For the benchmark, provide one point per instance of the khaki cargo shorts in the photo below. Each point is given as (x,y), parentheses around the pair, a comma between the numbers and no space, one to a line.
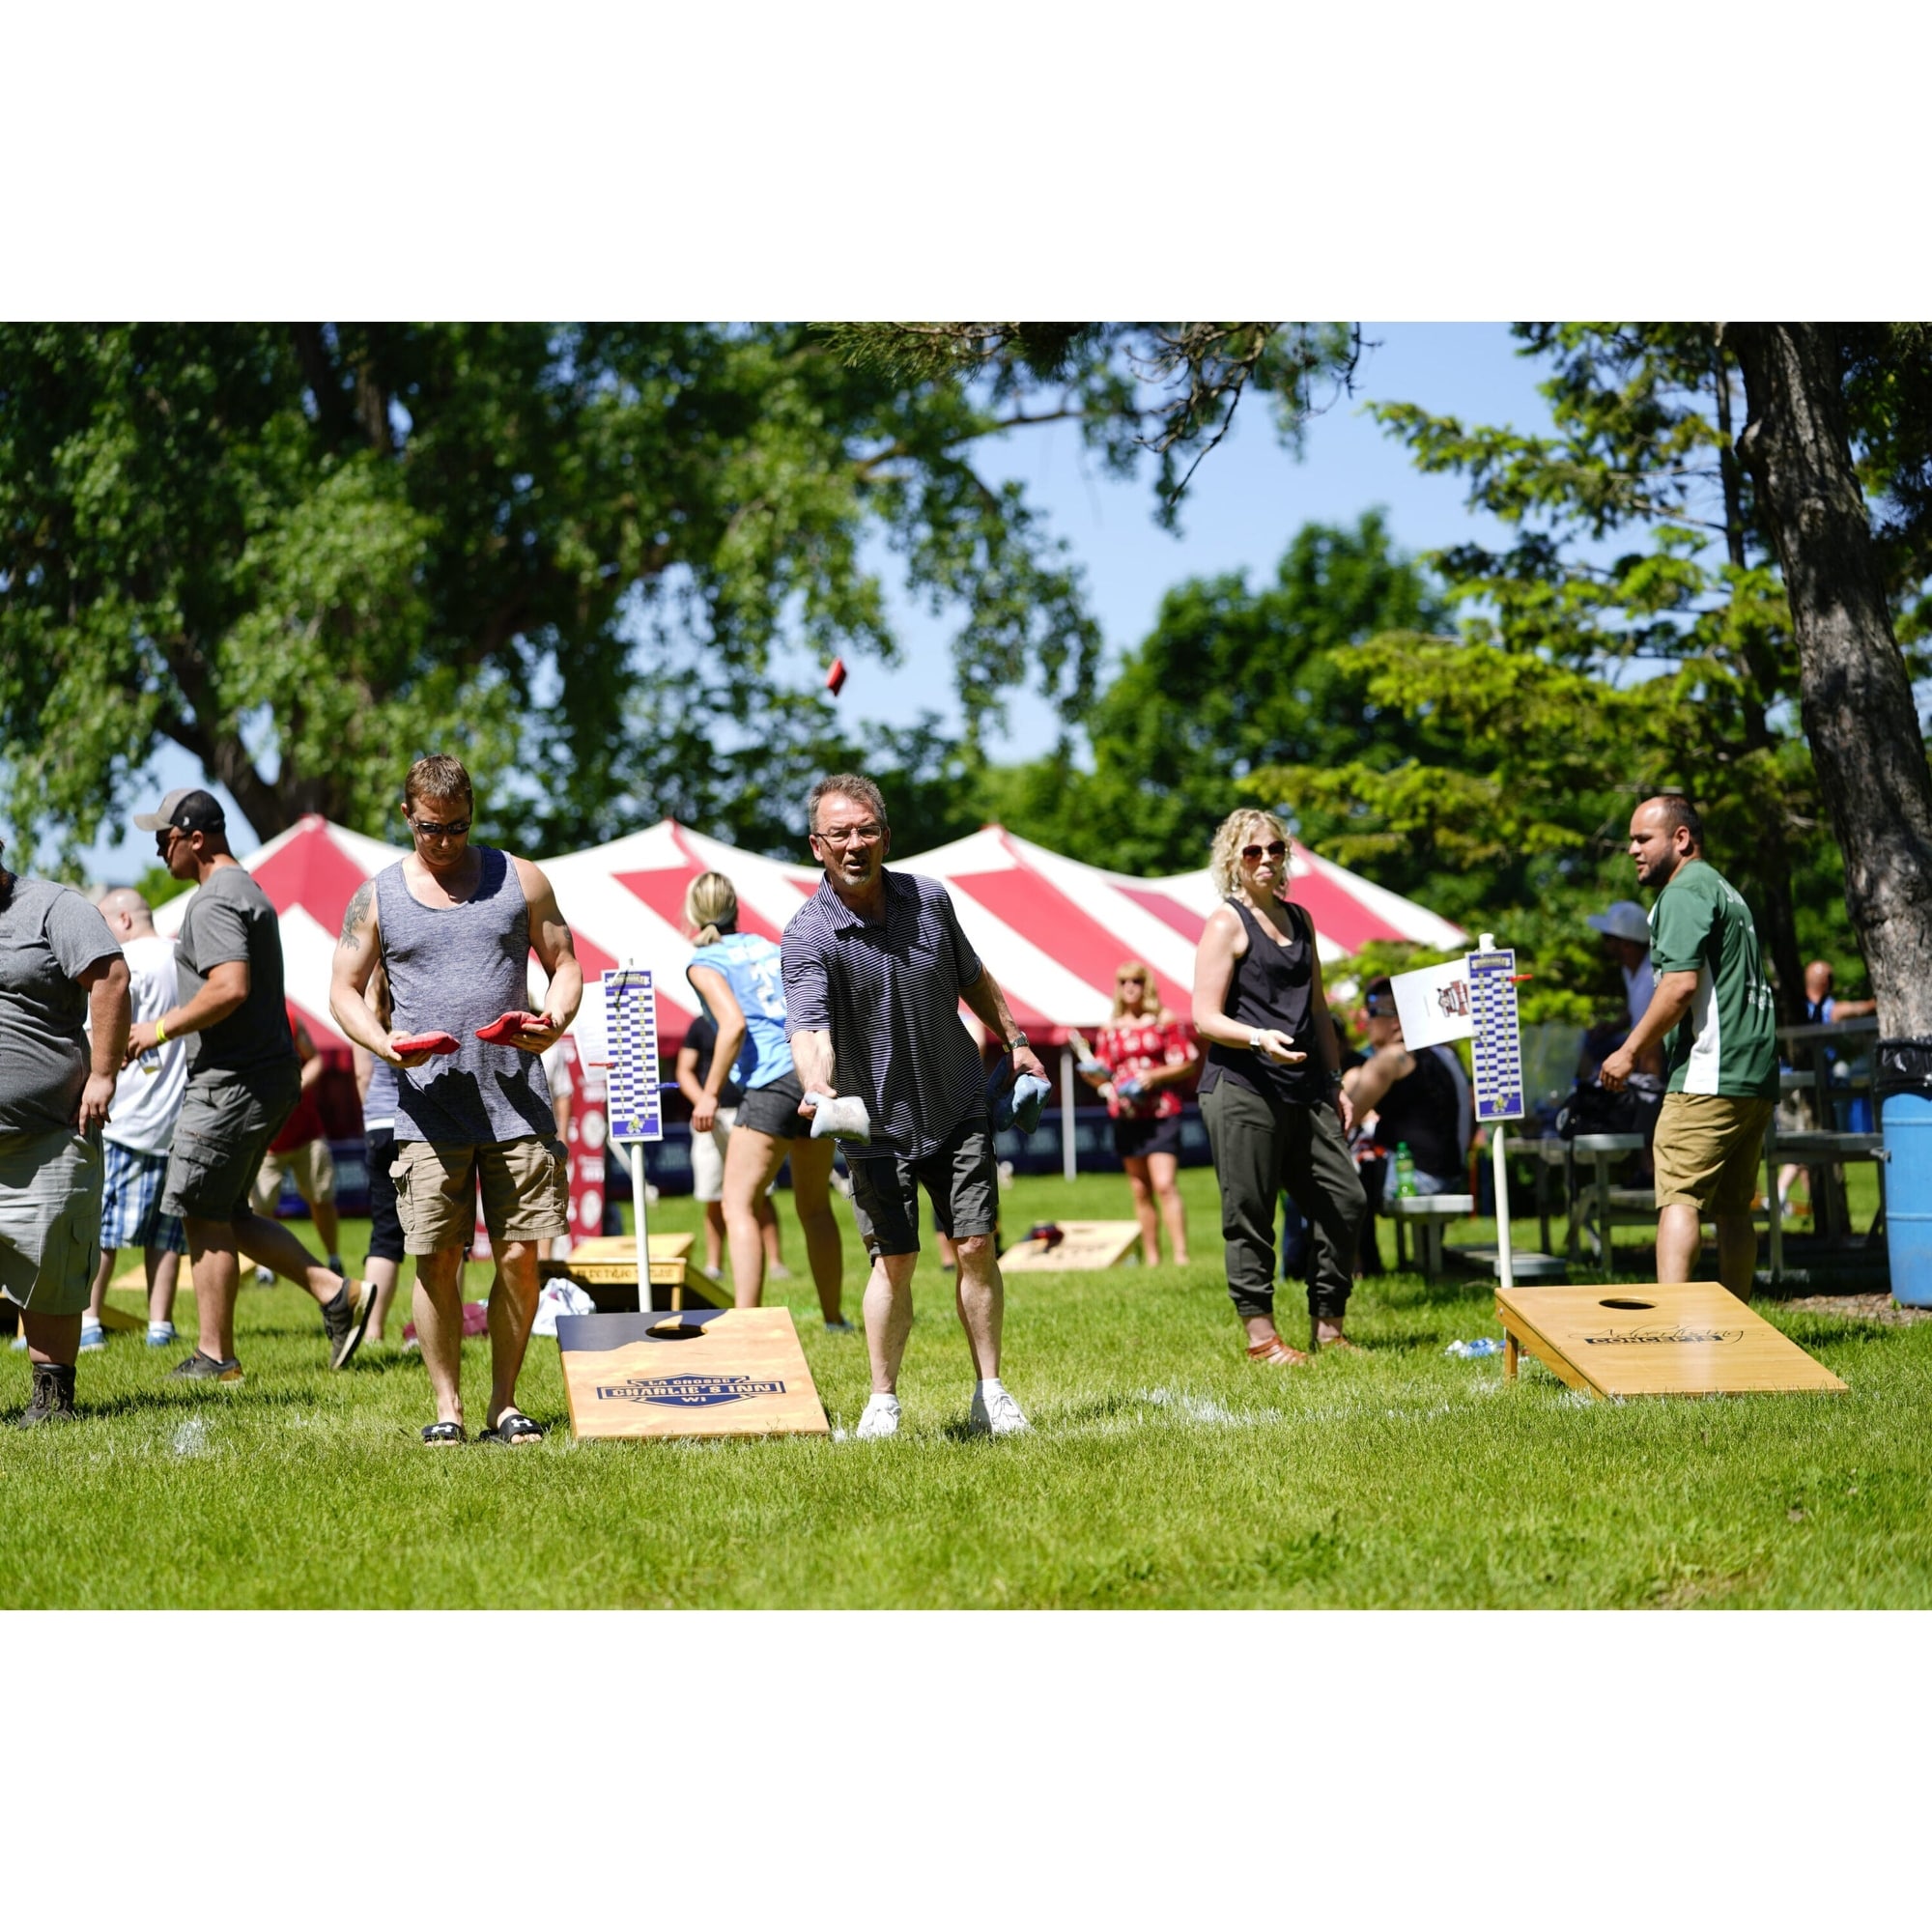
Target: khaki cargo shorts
(311,1166)
(524,1183)
(1708,1150)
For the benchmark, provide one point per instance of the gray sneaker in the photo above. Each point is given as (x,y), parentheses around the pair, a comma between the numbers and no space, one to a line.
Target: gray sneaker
(200,1368)
(346,1318)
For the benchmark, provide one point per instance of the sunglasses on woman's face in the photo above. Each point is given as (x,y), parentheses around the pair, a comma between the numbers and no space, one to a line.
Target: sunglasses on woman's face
(1131,979)
(1273,849)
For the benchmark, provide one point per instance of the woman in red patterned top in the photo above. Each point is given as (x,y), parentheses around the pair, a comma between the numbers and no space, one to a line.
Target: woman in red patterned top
(1139,1058)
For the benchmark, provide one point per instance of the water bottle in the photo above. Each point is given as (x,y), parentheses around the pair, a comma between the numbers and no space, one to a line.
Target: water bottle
(1405,1172)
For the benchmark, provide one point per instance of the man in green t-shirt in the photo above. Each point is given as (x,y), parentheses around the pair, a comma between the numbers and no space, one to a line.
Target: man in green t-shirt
(1713,1009)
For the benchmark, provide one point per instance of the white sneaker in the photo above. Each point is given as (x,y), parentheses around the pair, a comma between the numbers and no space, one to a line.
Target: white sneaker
(881,1418)
(996,1415)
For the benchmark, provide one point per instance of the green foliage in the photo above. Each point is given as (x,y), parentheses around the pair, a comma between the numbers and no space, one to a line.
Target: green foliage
(1166,387)
(1572,686)
(306,552)
(1231,681)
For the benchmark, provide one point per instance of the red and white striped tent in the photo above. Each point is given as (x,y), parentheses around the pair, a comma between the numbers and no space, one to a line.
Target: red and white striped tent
(1052,929)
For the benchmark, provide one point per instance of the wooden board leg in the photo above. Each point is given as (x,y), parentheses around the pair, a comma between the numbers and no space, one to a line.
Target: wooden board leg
(1509,1357)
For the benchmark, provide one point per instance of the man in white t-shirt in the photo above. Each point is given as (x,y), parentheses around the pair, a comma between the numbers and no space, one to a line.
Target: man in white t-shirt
(140,1130)
(1626,930)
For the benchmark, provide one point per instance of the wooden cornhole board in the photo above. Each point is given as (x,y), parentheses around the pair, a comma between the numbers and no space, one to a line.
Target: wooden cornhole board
(722,1371)
(606,1268)
(1085,1244)
(1692,1338)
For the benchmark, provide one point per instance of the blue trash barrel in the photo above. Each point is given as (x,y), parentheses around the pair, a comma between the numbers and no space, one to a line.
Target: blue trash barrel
(1902,1082)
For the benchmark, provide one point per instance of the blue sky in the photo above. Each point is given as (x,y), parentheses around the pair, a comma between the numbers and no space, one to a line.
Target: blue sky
(1246,501)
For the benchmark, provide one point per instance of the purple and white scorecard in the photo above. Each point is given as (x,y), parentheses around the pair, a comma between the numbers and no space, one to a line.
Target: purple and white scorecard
(1496,1037)
(631,1033)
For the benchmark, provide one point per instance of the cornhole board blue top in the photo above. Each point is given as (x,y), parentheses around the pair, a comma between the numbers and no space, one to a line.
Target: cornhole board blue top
(707,1371)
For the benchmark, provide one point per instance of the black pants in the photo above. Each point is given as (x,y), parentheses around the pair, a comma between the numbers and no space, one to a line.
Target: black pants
(1262,1147)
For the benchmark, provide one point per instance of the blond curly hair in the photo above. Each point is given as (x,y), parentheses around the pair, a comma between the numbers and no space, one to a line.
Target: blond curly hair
(1236,831)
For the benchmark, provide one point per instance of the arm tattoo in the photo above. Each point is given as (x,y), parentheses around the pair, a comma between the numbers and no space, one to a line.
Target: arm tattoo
(358,910)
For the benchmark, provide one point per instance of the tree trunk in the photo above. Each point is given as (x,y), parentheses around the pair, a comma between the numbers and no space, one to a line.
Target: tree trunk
(1776,907)
(1857,696)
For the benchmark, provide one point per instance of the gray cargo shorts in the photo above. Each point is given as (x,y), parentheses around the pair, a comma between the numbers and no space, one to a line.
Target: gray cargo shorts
(49,1219)
(227,1121)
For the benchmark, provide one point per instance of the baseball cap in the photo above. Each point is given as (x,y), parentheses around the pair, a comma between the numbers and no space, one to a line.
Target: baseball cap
(189,808)
(1624,920)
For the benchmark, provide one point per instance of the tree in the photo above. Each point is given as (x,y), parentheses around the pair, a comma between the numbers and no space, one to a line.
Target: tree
(304,554)
(1859,711)
(1231,680)
(1579,681)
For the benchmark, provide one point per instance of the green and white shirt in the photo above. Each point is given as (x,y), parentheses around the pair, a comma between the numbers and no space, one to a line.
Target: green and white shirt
(1727,1043)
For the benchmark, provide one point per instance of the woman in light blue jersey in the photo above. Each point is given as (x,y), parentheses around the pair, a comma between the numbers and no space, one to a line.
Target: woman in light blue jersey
(736,976)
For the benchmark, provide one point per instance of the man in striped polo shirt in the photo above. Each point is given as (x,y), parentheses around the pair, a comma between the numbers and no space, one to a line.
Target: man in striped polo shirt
(1714,1004)
(875,966)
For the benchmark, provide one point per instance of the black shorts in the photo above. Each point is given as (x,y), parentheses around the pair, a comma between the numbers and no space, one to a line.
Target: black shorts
(959,1176)
(774,1110)
(1135,1140)
(386,1226)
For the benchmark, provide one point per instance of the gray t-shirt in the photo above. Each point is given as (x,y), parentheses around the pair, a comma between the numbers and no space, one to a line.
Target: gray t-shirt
(231,918)
(48,936)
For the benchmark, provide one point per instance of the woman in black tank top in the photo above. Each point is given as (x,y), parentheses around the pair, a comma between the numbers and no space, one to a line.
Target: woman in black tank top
(1270,1094)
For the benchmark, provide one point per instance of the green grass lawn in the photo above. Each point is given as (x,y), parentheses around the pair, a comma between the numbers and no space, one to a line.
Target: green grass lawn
(1165,1470)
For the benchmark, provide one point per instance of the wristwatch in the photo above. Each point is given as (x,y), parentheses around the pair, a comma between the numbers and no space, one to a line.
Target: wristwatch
(1255,1041)
(1018,1041)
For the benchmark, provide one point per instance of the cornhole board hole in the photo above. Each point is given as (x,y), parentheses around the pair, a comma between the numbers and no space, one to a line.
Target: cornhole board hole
(1083,1244)
(706,1372)
(1691,1338)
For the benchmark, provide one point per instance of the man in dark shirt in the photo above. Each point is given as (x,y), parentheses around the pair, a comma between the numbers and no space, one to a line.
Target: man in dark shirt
(875,967)
(1416,1098)
(243,1081)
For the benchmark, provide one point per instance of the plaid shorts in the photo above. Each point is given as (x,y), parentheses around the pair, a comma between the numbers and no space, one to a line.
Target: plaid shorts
(130,1203)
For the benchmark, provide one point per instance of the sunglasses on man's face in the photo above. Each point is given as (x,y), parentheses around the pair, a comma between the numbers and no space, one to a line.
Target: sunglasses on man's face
(1273,850)
(428,828)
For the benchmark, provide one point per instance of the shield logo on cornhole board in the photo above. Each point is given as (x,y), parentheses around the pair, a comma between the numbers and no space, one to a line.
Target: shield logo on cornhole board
(708,1372)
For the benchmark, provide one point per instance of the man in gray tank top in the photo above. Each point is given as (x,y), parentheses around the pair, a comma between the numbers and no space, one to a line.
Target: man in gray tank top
(453,926)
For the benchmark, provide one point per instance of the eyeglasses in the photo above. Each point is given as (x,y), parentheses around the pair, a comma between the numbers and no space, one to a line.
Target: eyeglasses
(848,834)
(426,828)
(1274,849)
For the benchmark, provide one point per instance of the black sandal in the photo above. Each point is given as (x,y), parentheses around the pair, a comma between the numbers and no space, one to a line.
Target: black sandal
(438,1432)
(512,1429)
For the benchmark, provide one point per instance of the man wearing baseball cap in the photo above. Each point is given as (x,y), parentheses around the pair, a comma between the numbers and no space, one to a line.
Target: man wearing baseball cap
(1626,930)
(243,1082)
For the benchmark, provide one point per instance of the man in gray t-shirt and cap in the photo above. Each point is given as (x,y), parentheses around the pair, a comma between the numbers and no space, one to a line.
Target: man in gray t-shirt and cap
(243,1081)
(60,968)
